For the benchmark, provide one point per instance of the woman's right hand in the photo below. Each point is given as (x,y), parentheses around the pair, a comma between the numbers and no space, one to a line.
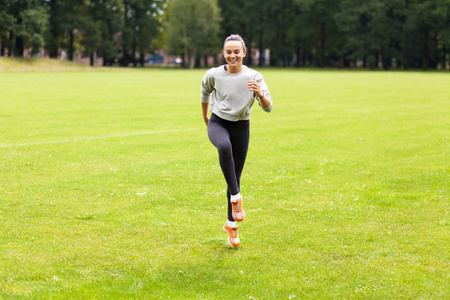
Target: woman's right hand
(206,119)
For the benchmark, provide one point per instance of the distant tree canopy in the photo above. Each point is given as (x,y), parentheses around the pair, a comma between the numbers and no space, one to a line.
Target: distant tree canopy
(407,33)
(343,33)
(110,28)
(193,30)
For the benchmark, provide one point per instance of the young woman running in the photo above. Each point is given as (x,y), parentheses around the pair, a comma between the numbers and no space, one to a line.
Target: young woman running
(232,89)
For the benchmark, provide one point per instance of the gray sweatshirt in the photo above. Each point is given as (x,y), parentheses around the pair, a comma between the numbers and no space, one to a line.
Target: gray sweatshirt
(231,99)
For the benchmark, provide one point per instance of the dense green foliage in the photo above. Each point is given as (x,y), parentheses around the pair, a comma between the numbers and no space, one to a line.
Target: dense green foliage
(387,33)
(110,188)
(193,37)
(109,27)
(407,33)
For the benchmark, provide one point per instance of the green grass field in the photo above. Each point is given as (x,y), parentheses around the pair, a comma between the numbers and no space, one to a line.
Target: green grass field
(110,188)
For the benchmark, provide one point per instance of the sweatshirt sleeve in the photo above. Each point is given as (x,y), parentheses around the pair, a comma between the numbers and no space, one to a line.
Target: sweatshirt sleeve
(265,91)
(207,86)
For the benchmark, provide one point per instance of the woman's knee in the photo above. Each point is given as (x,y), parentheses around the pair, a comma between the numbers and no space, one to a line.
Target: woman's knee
(224,148)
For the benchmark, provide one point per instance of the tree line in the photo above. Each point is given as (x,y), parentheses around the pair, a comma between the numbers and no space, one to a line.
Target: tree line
(321,33)
(106,27)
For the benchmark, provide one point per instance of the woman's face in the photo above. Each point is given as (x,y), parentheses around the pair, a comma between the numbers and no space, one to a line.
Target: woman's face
(234,53)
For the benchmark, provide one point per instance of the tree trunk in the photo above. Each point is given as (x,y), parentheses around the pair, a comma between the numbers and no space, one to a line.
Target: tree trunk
(192,59)
(305,55)
(198,62)
(322,45)
(373,64)
(142,58)
(444,60)
(317,54)
(19,50)
(436,52)
(298,52)
(10,43)
(425,49)
(133,53)
(404,59)
(53,53)
(386,61)
(261,53)
(124,62)
(91,59)
(186,54)
(70,49)
(19,47)
(249,52)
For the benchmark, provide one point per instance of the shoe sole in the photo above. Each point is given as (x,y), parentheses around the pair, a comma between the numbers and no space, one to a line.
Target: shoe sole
(239,220)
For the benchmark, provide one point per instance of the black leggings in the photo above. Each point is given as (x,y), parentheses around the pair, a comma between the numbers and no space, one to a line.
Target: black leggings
(231,140)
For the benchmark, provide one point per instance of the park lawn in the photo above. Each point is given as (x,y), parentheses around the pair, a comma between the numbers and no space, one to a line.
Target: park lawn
(29,64)
(110,188)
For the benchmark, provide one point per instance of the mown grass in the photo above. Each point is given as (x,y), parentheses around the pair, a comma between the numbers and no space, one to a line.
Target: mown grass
(110,188)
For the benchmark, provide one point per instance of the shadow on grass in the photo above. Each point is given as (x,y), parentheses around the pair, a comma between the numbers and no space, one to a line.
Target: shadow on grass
(220,243)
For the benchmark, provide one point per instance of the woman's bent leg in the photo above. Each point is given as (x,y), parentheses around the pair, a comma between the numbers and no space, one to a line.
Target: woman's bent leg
(220,138)
(231,140)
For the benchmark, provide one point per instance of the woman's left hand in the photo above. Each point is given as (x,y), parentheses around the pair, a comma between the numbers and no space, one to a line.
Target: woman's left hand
(253,86)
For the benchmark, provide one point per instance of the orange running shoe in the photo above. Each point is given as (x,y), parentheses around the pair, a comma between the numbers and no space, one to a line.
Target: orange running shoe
(237,212)
(233,237)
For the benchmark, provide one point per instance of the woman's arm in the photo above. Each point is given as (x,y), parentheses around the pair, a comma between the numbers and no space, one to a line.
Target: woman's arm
(205,112)
(264,101)
(207,89)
